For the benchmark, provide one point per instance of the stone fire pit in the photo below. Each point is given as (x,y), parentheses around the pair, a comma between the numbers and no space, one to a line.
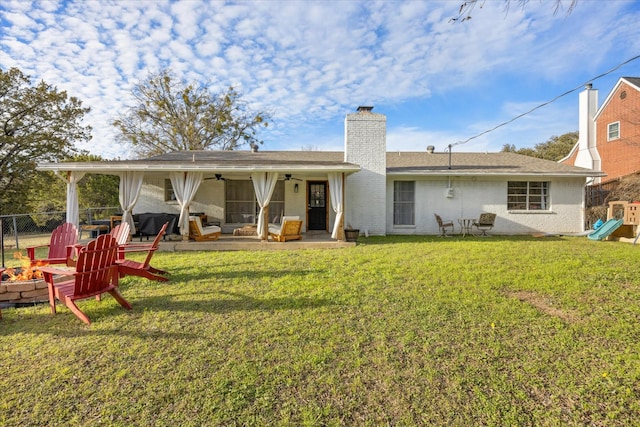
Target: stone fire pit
(24,291)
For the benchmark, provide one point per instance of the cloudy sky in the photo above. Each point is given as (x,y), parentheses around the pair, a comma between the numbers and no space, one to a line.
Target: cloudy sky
(312,62)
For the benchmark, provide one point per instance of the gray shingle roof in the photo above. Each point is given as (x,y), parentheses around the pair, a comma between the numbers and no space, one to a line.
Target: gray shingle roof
(398,163)
(477,163)
(633,80)
(249,158)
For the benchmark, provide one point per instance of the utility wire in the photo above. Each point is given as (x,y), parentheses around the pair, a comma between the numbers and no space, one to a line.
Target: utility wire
(545,103)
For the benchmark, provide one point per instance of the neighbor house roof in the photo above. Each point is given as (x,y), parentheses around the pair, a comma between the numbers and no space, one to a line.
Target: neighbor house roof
(398,163)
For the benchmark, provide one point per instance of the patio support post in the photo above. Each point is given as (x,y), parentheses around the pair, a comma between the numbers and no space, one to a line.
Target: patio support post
(336,185)
(341,235)
(263,184)
(73,214)
(185,185)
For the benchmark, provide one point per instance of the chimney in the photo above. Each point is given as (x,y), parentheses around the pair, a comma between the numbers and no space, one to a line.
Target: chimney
(365,144)
(587,156)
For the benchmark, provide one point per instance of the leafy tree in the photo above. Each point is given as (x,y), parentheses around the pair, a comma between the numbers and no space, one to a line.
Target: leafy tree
(94,190)
(37,123)
(171,115)
(555,148)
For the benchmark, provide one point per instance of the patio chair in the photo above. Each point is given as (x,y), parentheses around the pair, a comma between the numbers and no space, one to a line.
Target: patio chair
(202,234)
(95,273)
(121,233)
(443,225)
(485,223)
(289,229)
(129,267)
(62,237)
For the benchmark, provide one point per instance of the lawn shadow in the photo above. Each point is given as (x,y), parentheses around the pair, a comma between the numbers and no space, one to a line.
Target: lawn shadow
(212,302)
(189,274)
(65,324)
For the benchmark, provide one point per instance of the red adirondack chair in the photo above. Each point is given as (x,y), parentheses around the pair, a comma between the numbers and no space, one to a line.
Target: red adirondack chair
(95,273)
(121,233)
(62,237)
(141,269)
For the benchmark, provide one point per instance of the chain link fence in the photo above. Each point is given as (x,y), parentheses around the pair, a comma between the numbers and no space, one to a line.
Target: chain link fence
(20,231)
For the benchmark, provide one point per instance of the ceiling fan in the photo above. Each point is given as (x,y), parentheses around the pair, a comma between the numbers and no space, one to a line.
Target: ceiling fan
(217,177)
(288,177)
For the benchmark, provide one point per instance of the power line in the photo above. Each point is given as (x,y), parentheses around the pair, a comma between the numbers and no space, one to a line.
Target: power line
(546,103)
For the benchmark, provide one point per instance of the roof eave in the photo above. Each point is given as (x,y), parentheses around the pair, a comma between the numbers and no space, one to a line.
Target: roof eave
(450,172)
(186,167)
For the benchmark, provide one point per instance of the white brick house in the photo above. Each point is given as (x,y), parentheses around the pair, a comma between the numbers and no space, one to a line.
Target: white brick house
(381,192)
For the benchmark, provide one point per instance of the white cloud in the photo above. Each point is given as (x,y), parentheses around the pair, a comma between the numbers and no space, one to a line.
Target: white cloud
(311,62)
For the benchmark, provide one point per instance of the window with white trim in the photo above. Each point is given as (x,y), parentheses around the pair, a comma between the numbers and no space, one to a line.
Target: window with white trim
(528,195)
(613,131)
(404,202)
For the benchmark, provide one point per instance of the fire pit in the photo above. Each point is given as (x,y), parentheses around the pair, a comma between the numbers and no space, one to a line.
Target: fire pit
(22,291)
(23,285)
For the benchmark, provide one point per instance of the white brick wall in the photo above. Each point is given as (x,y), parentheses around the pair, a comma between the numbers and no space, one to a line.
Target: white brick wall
(366,145)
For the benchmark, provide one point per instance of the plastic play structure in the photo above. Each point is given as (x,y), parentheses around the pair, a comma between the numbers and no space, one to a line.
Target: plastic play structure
(623,221)
(605,229)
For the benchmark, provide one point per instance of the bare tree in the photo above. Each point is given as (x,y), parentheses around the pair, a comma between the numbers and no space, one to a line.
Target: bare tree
(171,115)
(465,9)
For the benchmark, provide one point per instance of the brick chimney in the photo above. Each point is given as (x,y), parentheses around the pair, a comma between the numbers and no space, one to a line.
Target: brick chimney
(365,144)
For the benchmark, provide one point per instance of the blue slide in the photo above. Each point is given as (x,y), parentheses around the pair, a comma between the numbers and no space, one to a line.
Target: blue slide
(605,229)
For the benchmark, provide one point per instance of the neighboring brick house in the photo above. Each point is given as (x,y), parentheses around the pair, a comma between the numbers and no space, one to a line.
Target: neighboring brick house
(609,136)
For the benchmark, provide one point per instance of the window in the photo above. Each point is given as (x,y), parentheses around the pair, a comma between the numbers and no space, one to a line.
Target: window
(528,195)
(169,195)
(613,131)
(404,202)
(241,205)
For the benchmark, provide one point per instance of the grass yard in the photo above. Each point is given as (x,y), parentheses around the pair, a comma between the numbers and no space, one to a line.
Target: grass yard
(405,331)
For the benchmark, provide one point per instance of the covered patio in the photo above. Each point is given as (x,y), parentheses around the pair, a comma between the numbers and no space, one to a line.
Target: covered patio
(230,189)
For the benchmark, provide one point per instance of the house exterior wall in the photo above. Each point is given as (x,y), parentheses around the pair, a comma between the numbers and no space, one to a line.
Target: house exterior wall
(366,145)
(621,156)
(208,199)
(475,195)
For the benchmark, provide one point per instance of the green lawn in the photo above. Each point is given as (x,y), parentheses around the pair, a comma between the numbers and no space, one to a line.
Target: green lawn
(397,331)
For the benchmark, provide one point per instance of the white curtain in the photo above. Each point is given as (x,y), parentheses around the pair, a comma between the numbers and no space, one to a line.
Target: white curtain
(263,184)
(130,185)
(73,211)
(336,190)
(185,185)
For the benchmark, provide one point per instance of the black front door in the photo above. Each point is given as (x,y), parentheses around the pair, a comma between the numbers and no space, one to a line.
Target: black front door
(317,205)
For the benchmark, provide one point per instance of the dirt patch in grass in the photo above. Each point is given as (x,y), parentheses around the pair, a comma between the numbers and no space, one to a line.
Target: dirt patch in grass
(545,305)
